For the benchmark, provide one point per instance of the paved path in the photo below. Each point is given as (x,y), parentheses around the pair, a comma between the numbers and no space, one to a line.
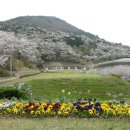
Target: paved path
(9,79)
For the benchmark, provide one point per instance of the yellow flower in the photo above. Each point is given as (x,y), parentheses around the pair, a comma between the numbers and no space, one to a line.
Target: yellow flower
(8,110)
(75,110)
(37,112)
(15,110)
(23,112)
(48,110)
(32,107)
(32,112)
(18,105)
(90,112)
(129,111)
(66,113)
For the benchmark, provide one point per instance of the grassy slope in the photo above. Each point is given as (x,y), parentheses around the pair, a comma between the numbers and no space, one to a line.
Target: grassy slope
(49,85)
(89,86)
(64,124)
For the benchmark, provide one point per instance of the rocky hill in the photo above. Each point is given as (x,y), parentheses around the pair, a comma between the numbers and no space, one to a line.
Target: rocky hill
(38,39)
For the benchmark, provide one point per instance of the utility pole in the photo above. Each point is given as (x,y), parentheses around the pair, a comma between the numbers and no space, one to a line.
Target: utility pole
(11,64)
(11,61)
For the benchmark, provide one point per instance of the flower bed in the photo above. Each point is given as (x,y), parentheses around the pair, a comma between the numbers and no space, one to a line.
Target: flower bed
(81,108)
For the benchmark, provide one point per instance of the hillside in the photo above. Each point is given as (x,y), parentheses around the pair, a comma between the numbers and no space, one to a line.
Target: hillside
(42,22)
(49,23)
(42,39)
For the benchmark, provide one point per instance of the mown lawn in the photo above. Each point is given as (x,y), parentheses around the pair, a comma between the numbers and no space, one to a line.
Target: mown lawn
(80,86)
(63,124)
(48,86)
(52,75)
(103,88)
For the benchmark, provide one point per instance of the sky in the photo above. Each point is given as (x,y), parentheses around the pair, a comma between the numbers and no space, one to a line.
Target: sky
(109,19)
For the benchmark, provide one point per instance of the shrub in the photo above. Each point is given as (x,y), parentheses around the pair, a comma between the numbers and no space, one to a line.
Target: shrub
(13,92)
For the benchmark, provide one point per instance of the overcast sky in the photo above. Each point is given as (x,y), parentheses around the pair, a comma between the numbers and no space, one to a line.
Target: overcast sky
(109,19)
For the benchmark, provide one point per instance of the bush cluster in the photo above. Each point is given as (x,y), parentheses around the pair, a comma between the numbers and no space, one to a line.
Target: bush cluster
(13,92)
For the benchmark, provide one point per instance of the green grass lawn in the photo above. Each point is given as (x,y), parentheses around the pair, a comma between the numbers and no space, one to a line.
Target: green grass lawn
(63,124)
(48,86)
(102,87)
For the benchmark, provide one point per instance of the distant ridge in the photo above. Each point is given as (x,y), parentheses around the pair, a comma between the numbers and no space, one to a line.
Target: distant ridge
(45,22)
